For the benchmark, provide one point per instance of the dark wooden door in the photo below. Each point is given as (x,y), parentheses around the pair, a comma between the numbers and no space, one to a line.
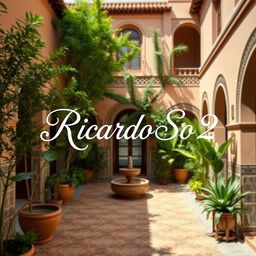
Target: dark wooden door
(124,148)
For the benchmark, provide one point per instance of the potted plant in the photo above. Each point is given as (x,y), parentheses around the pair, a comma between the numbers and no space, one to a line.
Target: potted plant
(195,185)
(222,199)
(34,97)
(93,162)
(23,91)
(69,180)
(21,244)
(53,182)
(163,169)
(202,153)
(181,173)
(169,151)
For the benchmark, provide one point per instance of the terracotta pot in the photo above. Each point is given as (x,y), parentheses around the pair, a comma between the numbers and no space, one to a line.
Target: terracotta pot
(10,250)
(227,222)
(181,175)
(58,202)
(164,181)
(31,252)
(43,220)
(89,175)
(199,197)
(65,193)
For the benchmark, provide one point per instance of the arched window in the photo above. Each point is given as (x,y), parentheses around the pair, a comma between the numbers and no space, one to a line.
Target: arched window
(135,63)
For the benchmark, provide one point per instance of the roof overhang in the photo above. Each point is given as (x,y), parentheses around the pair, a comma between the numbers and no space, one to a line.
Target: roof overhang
(136,7)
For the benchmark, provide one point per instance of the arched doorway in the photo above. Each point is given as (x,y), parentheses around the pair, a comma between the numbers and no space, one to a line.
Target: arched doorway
(220,110)
(248,113)
(190,37)
(124,148)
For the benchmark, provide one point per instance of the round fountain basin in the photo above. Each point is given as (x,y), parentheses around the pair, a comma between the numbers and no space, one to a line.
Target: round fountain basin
(129,172)
(137,188)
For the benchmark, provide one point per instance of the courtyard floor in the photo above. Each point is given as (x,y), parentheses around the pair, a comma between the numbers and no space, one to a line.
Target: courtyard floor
(166,222)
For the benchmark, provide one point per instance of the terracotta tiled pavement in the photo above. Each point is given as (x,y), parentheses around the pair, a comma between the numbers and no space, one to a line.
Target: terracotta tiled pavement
(98,223)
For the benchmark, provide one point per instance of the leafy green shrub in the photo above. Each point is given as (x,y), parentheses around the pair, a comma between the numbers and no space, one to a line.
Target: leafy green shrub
(21,243)
(195,185)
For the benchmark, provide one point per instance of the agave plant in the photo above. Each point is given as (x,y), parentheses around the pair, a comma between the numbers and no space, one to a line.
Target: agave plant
(223,197)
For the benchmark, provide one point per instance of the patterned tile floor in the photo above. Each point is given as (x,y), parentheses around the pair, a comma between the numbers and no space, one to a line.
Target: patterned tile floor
(98,223)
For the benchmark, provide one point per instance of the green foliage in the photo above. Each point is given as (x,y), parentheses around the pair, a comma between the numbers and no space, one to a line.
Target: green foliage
(149,96)
(72,97)
(53,182)
(77,173)
(74,176)
(50,155)
(163,169)
(95,159)
(87,33)
(24,77)
(203,153)
(223,197)
(21,243)
(195,185)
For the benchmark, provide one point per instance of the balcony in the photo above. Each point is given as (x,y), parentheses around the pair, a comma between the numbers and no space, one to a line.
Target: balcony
(187,76)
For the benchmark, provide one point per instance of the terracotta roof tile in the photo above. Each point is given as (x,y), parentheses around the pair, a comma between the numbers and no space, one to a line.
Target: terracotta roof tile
(134,7)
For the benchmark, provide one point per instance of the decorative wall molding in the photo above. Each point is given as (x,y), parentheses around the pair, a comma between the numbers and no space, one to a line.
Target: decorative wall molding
(221,82)
(188,77)
(249,48)
(205,99)
(187,107)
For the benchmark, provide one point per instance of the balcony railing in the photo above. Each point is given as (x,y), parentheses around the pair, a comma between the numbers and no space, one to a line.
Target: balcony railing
(187,76)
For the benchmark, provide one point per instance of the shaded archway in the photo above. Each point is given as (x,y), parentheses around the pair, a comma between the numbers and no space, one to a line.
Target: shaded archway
(190,37)
(248,112)
(220,110)
(205,108)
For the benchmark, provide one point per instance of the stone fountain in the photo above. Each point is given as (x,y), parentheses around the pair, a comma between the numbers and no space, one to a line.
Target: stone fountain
(130,187)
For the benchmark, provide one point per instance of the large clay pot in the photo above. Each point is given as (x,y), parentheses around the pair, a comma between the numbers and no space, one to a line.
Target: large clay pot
(65,193)
(227,222)
(89,176)
(181,175)
(43,220)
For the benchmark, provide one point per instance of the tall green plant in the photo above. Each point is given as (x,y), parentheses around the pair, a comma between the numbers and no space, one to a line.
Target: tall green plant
(149,96)
(204,153)
(88,34)
(71,97)
(24,74)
